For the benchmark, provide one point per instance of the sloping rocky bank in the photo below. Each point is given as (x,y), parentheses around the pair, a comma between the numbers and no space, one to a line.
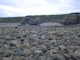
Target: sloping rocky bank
(40,43)
(67,19)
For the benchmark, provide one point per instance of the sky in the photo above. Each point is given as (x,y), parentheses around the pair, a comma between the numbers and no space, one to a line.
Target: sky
(13,8)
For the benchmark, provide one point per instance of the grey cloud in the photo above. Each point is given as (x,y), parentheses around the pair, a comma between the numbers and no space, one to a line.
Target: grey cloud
(31,7)
(8,2)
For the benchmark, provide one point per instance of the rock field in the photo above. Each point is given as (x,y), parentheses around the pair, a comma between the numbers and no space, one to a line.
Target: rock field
(40,43)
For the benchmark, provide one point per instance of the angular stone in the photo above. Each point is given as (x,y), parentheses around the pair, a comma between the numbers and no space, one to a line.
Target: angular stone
(67,56)
(7,58)
(8,53)
(27,52)
(53,51)
(1,51)
(19,53)
(38,52)
(73,56)
(52,37)
(62,47)
(52,41)
(51,57)
(60,57)
(14,43)
(16,58)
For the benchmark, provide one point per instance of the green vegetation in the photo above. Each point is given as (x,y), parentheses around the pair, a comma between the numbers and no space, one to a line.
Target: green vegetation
(11,20)
(55,16)
(18,19)
(49,16)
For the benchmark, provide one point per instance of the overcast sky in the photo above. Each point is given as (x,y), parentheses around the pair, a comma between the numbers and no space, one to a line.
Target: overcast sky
(11,8)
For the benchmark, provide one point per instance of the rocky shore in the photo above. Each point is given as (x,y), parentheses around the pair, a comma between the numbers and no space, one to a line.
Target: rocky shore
(40,43)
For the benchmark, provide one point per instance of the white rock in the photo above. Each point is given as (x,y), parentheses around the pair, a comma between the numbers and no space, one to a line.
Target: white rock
(38,52)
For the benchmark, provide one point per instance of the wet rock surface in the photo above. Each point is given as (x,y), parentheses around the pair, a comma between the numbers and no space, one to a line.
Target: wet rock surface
(40,43)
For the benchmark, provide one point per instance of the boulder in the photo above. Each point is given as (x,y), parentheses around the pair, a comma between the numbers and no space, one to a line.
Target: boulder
(31,21)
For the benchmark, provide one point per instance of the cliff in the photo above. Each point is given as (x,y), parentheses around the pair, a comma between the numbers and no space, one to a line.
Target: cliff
(66,19)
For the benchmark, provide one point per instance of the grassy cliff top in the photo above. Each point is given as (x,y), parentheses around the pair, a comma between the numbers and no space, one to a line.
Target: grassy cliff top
(18,19)
(10,20)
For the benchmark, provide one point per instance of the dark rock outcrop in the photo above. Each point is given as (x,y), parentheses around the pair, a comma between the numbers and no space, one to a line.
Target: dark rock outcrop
(73,18)
(31,21)
(69,19)
(25,20)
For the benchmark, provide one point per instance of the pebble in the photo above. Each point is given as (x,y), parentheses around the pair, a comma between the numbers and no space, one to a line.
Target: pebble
(39,43)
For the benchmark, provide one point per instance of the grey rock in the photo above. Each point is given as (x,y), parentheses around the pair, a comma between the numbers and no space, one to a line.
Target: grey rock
(67,56)
(1,56)
(16,58)
(19,54)
(14,43)
(1,51)
(62,47)
(51,57)
(8,53)
(42,58)
(53,51)
(27,52)
(7,58)
(25,45)
(60,57)
(38,52)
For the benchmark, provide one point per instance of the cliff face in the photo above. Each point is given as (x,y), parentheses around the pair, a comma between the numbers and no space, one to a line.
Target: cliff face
(69,19)
(32,21)
(73,18)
